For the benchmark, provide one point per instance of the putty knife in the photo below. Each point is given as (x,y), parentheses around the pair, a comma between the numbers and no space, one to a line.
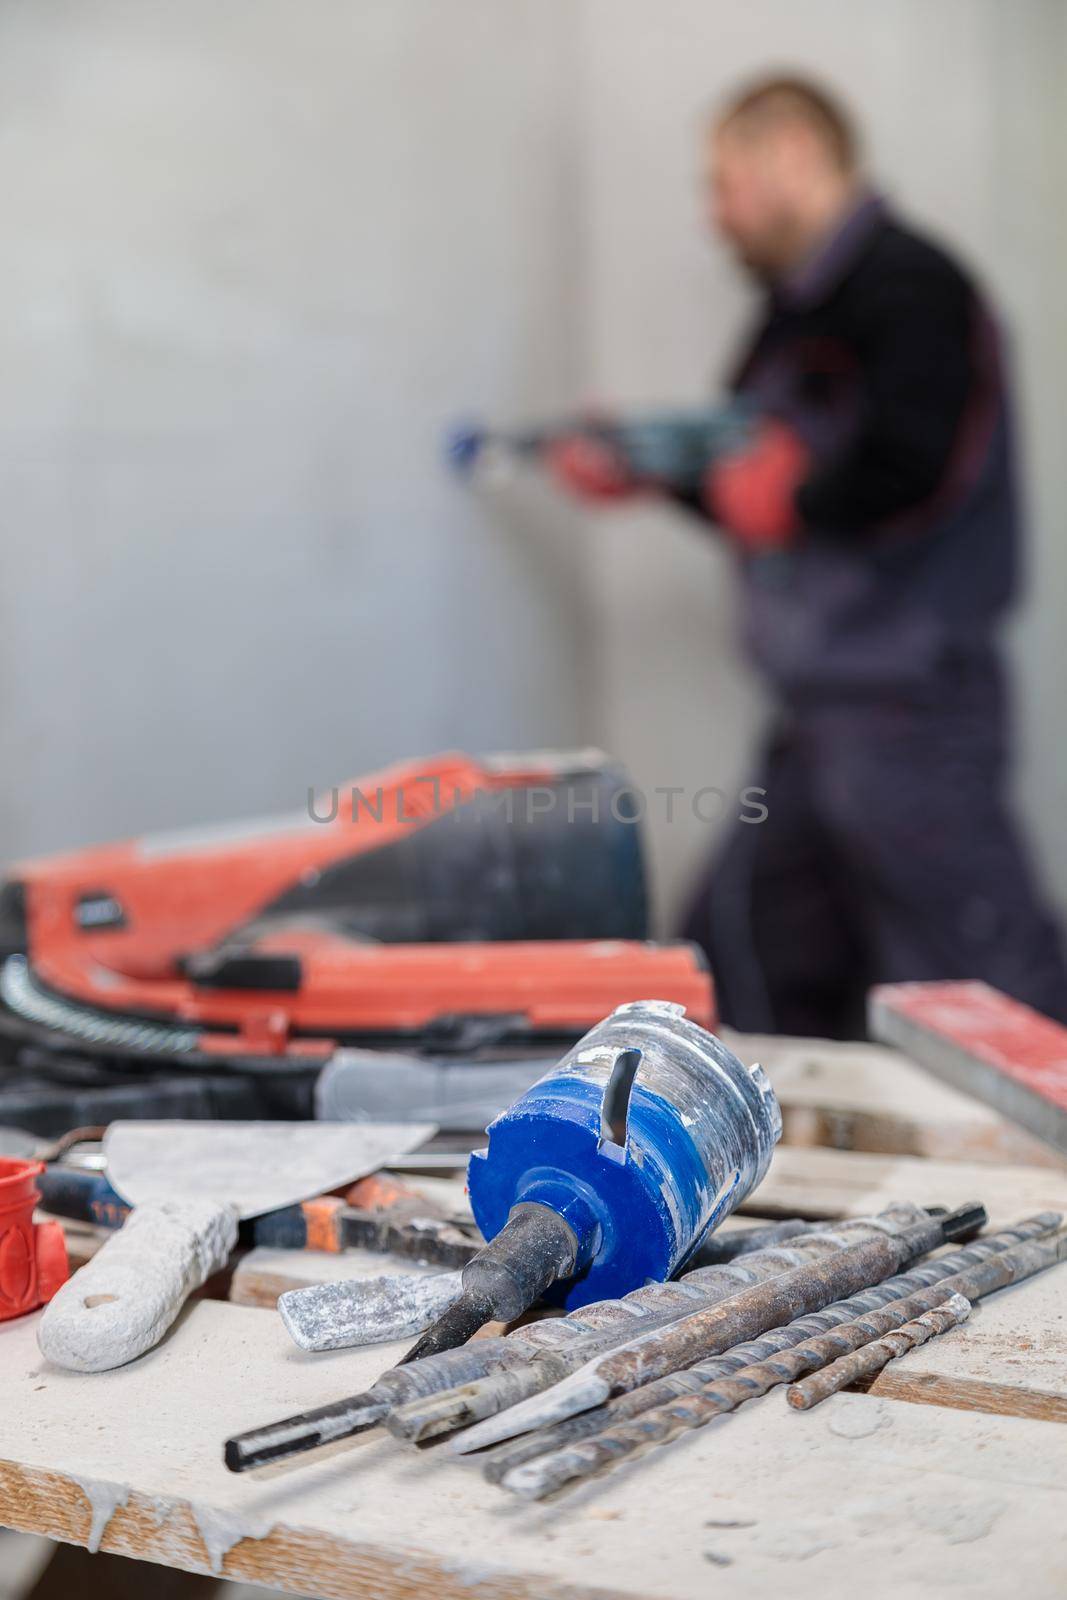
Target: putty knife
(190,1183)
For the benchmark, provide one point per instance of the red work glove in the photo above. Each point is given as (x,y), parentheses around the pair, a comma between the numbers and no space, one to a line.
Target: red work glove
(589,468)
(751,494)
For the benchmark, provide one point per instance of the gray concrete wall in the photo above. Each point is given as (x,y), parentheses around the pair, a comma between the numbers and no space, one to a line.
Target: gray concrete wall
(963,108)
(255,255)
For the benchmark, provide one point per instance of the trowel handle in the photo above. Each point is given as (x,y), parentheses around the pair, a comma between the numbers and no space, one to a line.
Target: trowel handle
(122,1302)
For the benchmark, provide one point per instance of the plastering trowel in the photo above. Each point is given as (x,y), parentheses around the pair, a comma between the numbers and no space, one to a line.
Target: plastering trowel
(190,1183)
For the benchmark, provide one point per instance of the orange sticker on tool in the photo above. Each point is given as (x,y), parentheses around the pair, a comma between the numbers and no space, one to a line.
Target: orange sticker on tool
(322,1222)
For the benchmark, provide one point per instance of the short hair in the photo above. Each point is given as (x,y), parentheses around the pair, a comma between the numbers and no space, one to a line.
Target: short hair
(773,101)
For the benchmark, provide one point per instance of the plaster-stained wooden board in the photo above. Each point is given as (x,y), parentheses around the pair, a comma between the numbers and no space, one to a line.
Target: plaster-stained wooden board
(1010,1358)
(447,1195)
(828,1183)
(861,1494)
(1017,1336)
(867,1097)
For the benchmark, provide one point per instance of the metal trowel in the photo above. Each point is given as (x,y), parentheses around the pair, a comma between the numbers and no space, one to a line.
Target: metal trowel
(189,1184)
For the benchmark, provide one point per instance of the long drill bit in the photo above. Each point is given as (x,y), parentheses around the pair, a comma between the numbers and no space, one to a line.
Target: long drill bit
(661,1423)
(871,1358)
(512,1453)
(715,1328)
(593,1328)
(538,1478)
(430,1415)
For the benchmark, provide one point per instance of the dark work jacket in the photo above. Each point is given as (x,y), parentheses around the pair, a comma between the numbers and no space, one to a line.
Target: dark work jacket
(881,353)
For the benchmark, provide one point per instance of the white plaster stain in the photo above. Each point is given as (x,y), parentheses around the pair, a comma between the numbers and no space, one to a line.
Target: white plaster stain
(104,1500)
(221,1530)
(858,1421)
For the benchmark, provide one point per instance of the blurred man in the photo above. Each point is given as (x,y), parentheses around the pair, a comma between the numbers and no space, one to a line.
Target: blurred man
(875,517)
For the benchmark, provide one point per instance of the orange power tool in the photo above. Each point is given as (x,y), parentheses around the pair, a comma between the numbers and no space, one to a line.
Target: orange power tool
(444,904)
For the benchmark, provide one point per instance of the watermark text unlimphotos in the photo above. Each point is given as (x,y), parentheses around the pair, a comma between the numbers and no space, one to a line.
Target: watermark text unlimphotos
(428,797)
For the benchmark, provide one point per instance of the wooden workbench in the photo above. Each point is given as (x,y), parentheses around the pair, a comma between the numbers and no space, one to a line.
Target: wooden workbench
(950,1474)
